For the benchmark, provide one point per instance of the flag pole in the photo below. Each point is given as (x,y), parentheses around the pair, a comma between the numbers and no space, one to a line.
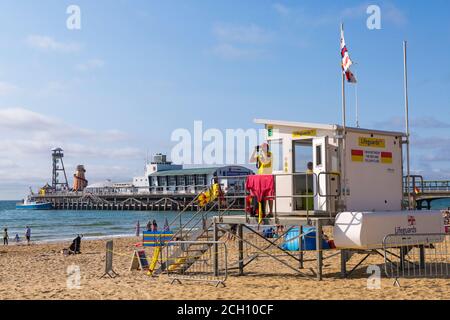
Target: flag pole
(356,103)
(408,173)
(344,154)
(343,89)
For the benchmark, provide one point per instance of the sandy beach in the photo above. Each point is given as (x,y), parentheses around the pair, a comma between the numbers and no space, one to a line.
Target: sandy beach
(39,271)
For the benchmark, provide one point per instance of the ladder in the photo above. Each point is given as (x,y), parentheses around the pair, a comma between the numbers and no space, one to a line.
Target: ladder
(199,231)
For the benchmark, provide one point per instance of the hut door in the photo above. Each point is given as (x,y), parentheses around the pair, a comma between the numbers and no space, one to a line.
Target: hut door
(320,169)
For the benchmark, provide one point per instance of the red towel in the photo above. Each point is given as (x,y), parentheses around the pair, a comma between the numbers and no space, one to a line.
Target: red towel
(260,186)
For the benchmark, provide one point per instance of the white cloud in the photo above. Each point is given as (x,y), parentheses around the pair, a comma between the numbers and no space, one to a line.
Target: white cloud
(7,88)
(398,123)
(229,51)
(47,43)
(240,41)
(394,14)
(90,64)
(247,34)
(299,15)
(28,137)
(281,9)
(20,121)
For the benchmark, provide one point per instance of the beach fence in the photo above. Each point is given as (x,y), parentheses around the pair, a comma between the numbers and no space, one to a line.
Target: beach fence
(204,261)
(293,248)
(417,256)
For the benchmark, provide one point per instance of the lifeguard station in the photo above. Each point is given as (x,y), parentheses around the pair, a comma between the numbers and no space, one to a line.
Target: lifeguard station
(347,179)
(355,170)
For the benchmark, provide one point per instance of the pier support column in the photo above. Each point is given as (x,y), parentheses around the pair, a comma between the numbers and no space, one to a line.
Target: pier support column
(319,248)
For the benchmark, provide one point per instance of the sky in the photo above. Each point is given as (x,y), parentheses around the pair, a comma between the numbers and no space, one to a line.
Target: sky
(113,91)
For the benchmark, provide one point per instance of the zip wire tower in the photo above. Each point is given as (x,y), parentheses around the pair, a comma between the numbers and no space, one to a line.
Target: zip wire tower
(59,177)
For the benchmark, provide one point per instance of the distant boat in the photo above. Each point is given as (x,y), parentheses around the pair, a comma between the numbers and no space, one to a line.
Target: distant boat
(33,205)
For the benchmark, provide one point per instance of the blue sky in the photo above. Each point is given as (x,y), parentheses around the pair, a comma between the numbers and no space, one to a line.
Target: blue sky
(137,70)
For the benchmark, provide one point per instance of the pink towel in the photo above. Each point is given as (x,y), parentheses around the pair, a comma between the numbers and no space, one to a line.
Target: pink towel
(260,186)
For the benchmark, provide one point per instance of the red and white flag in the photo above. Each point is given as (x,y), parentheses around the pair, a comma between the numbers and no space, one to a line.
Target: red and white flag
(346,61)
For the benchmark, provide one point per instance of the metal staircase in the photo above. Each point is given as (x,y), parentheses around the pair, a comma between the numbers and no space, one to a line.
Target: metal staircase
(197,234)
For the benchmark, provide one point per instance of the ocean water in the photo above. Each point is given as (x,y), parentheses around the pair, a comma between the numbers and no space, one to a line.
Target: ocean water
(440,204)
(57,225)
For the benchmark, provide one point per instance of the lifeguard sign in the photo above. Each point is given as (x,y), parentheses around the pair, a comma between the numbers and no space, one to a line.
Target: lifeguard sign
(321,169)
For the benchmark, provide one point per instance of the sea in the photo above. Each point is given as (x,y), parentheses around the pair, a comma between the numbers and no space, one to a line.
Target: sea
(65,225)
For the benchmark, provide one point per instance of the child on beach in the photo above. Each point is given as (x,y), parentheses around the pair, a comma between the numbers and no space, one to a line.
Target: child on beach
(5,237)
(17,238)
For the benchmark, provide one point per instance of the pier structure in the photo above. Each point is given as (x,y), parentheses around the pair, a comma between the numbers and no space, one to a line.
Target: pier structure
(164,187)
(119,201)
(424,192)
(59,177)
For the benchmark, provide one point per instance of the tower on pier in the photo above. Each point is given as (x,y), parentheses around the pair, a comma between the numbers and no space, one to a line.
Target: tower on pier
(59,177)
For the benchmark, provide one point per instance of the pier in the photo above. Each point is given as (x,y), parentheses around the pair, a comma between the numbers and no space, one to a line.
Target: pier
(424,192)
(115,201)
(120,202)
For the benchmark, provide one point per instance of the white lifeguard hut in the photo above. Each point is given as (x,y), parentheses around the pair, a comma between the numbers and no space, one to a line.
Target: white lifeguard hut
(351,176)
(355,170)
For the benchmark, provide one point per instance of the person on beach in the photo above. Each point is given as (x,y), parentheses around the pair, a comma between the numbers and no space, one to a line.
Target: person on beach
(17,238)
(28,234)
(149,226)
(5,237)
(154,226)
(138,229)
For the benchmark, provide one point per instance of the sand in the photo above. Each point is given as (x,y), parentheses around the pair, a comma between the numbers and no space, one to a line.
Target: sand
(39,271)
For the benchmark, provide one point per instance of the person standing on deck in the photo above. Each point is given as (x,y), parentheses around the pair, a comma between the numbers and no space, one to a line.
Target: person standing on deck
(263,159)
(28,234)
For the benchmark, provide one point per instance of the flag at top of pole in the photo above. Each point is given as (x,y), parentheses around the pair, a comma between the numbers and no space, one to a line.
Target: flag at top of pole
(346,61)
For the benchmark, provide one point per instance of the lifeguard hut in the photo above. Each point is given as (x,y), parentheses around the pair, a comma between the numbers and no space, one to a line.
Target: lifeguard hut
(323,169)
(345,181)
